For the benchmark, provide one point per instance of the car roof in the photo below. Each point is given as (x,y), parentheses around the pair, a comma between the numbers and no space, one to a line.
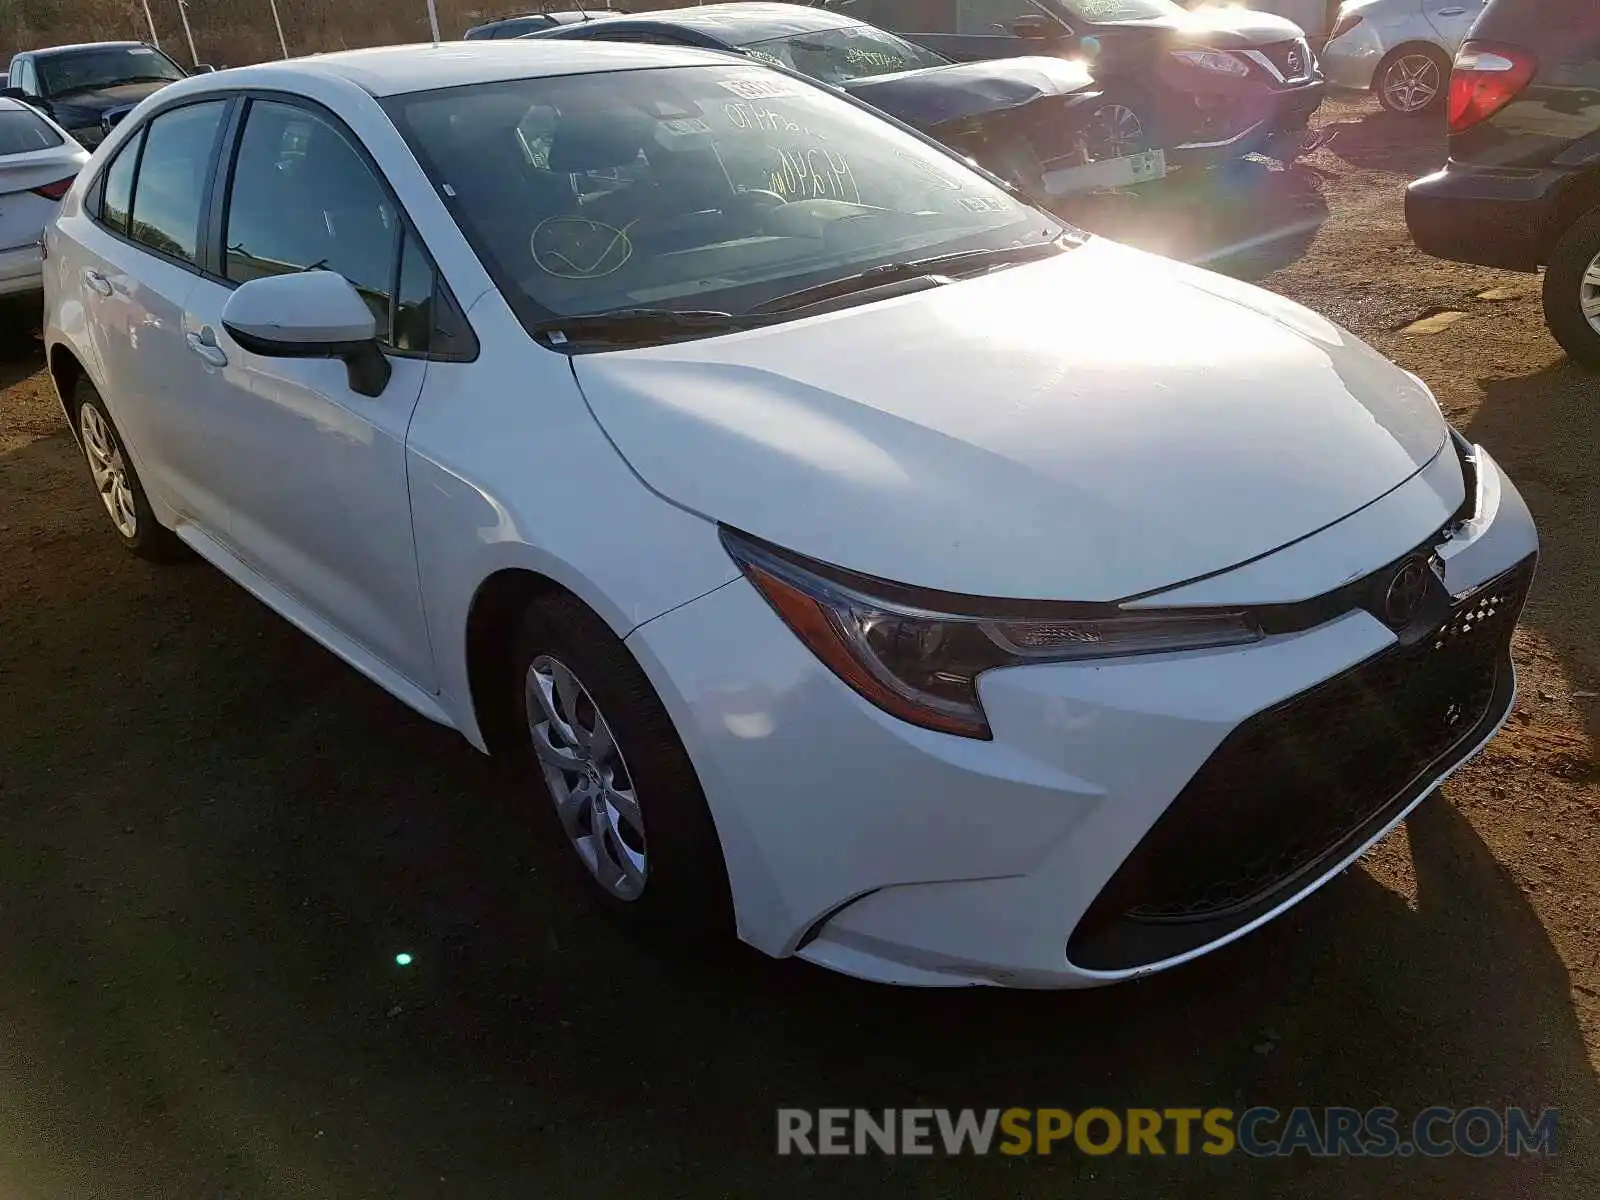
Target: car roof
(76,47)
(738,22)
(393,70)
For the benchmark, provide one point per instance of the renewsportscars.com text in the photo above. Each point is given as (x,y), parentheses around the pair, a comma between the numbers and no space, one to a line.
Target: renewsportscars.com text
(1260,1132)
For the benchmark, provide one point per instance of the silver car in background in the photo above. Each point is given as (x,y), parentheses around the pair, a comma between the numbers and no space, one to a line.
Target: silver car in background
(1400,50)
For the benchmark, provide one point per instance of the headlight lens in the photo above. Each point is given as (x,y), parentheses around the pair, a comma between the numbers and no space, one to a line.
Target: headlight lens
(1212,60)
(921,662)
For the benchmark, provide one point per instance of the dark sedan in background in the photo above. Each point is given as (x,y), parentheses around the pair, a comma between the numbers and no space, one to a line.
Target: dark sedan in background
(88,88)
(1209,85)
(1032,121)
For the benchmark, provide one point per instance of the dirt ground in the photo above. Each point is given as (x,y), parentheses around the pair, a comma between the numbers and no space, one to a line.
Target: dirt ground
(214,838)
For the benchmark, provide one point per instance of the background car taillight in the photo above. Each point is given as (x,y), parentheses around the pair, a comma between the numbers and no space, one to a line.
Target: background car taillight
(1486,77)
(56,190)
(1344,25)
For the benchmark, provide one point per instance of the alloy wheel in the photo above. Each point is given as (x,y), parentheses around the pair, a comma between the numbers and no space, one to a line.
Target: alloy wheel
(1118,132)
(587,776)
(1412,83)
(1589,294)
(109,470)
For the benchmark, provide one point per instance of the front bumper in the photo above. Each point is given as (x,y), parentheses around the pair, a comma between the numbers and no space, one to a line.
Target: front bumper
(1252,123)
(1493,218)
(905,856)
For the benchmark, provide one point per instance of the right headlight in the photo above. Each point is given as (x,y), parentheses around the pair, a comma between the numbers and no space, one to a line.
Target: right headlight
(918,655)
(1216,61)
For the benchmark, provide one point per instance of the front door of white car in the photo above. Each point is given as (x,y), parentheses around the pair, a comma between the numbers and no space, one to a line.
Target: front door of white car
(137,253)
(1452,19)
(311,474)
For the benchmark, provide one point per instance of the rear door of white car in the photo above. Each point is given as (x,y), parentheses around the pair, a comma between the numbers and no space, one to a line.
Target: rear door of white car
(136,254)
(1452,19)
(312,475)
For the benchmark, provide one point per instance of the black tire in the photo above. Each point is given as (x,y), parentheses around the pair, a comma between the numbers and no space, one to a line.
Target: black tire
(1576,252)
(1440,61)
(148,539)
(685,890)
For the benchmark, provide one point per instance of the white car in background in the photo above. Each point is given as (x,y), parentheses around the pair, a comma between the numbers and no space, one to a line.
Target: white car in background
(38,162)
(815,525)
(1400,50)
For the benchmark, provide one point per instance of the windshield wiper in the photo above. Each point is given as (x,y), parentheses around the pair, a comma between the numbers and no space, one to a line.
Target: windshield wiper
(637,326)
(890,272)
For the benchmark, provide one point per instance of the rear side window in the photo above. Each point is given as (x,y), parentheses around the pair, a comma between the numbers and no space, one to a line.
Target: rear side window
(174,175)
(117,200)
(22,131)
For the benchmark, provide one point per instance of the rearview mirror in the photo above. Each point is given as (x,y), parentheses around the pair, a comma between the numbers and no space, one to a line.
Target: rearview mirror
(309,314)
(1034,27)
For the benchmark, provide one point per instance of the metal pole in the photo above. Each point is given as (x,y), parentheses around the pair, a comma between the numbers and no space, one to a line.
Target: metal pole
(282,45)
(183,12)
(433,21)
(155,39)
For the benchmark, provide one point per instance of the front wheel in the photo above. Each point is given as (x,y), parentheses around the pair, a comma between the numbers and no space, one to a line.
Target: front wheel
(1413,81)
(600,754)
(1572,290)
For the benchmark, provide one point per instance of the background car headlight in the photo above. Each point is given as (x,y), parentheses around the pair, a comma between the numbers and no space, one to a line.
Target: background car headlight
(918,655)
(1212,60)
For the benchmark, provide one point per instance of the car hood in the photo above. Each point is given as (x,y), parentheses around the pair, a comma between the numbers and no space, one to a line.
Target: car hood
(84,109)
(933,95)
(1227,27)
(1090,427)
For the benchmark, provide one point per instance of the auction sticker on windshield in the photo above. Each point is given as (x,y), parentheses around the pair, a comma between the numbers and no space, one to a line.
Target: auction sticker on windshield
(758,87)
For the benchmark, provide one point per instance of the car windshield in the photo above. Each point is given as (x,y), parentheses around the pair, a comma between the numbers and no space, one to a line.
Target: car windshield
(22,131)
(704,187)
(844,53)
(1113,12)
(85,70)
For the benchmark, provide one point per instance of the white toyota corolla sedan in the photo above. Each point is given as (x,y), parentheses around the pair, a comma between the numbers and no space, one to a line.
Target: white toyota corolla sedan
(850,554)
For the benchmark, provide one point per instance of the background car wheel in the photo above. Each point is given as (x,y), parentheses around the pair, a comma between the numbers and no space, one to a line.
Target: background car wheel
(602,758)
(1413,80)
(1572,290)
(1117,130)
(117,483)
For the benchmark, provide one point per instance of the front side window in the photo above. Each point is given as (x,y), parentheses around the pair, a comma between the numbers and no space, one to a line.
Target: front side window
(22,131)
(174,176)
(844,53)
(302,199)
(89,70)
(717,186)
(993,18)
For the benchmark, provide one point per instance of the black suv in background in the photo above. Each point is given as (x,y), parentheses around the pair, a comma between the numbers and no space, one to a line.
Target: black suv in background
(88,88)
(1206,86)
(1521,188)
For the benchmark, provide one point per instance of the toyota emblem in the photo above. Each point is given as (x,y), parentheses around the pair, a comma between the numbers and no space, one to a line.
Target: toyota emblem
(1403,598)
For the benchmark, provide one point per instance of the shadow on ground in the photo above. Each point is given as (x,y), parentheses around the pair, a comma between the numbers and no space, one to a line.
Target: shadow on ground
(1383,141)
(214,838)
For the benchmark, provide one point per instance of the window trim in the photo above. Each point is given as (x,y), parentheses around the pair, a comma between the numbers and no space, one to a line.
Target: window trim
(215,230)
(139,133)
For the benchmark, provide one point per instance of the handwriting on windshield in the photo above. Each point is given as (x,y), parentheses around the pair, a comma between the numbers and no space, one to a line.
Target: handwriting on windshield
(872,60)
(814,174)
(743,115)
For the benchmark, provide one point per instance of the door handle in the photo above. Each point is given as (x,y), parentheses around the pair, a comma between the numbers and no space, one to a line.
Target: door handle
(98,282)
(205,345)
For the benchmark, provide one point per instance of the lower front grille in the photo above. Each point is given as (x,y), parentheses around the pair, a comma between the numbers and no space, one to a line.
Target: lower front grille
(1299,786)
(1292,58)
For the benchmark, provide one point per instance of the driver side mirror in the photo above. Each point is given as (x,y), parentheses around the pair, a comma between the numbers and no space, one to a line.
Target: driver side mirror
(309,314)
(15,93)
(202,69)
(1035,27)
